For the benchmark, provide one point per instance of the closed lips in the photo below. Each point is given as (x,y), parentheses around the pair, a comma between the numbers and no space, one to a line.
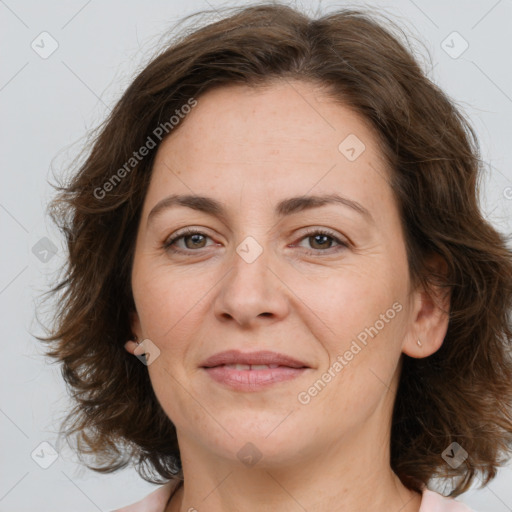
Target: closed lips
(261,360)
(254,371)
(251,366)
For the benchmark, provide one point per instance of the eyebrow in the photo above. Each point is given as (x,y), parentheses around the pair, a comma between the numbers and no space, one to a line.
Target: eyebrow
(284,208)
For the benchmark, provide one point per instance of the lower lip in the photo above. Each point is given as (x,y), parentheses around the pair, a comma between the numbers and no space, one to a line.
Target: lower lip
(253,380)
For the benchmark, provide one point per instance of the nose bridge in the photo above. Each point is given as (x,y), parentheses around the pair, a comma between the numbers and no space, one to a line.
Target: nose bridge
(250,266)
(251,288)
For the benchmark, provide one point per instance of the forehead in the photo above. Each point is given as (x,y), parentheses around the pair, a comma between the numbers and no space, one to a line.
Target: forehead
(287,138)
(278,118)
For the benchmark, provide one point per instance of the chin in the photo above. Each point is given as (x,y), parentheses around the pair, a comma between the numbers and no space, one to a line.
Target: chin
(265,440)
(263,453)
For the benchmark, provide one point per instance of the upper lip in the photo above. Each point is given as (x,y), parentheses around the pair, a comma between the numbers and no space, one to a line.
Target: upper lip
(261,357)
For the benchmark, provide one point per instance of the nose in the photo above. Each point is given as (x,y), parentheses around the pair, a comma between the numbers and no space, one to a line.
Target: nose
(252,291)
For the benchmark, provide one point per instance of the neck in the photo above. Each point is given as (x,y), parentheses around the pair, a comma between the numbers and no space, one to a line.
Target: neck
(361,482)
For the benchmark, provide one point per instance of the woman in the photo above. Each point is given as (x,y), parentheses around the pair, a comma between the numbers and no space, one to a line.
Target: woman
(281,214)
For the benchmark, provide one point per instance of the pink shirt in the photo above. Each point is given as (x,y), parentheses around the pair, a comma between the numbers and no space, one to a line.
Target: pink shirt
(157,501)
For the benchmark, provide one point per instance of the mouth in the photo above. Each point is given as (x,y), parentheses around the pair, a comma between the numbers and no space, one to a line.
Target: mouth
(251,366)
(252,371)
(252,360)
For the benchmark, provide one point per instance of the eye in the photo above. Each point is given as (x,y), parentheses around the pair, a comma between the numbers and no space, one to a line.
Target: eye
(321,241)
(192,239)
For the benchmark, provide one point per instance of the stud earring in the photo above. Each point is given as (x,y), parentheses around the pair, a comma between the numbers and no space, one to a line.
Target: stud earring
(419,342)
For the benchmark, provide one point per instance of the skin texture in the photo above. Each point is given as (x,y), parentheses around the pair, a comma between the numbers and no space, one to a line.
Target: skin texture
(250,148)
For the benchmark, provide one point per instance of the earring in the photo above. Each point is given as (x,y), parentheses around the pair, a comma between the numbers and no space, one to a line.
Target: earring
(419,342)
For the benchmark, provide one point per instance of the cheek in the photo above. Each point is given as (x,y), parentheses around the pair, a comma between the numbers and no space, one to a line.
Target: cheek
(363,319)
(363,344)
(353,299)
(167,298)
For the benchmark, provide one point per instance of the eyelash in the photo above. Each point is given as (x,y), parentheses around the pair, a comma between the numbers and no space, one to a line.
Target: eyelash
(168,245)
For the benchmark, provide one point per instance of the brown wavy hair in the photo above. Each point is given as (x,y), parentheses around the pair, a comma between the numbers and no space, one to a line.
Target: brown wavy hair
(462,393)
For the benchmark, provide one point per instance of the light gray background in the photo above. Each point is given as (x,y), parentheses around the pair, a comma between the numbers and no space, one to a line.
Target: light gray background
(49,104)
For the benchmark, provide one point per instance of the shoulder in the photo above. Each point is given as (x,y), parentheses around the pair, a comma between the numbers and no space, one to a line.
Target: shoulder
(434,502)
(153,502)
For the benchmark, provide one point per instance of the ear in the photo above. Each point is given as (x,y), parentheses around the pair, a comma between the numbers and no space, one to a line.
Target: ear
(131,345)
(431,314)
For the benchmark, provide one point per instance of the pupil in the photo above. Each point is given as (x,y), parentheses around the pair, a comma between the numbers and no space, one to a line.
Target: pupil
(195,239)
(324,237)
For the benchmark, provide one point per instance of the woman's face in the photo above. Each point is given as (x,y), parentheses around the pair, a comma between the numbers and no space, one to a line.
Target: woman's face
(324,282)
